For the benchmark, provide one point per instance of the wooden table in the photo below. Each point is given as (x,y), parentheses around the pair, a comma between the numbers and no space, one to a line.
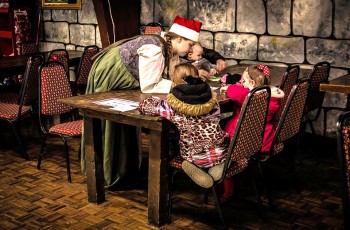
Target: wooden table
(158,149)
(17,64)
(338,85)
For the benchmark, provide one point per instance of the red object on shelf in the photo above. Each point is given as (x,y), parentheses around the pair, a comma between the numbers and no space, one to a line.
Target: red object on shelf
(5,34)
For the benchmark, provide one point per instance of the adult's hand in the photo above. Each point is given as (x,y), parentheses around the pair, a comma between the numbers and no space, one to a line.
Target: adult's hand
(204,75)
(220,64)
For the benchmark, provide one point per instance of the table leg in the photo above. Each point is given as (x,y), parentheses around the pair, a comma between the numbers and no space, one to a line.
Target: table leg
(158,177)
(94,160)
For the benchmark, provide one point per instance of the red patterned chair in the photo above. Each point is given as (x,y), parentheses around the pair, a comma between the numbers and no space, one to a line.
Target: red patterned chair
(54,85)
(287,128)
(343,138)
(152,28)
(289,79)
(318,75)
(244,145)
(28,48)
(60,55)
(84,69)
(13,112)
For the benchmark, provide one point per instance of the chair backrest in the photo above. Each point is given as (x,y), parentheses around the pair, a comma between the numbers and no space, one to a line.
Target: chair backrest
(28,48)
(318,75)
(289,124)
(343,139)
(60,55)
(249,132)
(30,86)
(289,79)
(53,85)
(85,66)
(152,28)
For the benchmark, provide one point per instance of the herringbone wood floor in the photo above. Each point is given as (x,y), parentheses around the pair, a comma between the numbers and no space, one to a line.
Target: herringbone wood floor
(43,199)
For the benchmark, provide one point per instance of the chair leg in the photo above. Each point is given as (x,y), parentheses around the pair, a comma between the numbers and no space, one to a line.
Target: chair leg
(67,159)
(43,139)
(325,111)
(219,208)
(257,194)
(170,194)
(312,127)
(16,131)
(267,185)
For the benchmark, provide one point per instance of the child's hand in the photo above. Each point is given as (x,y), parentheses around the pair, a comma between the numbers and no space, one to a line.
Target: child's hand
(223,89)
(213,71)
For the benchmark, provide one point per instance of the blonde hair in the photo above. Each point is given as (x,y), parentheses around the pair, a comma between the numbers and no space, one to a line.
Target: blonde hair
(258,76)
(183,70)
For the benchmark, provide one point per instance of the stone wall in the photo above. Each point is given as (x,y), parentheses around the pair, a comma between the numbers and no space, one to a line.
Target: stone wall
(277,32)
(69,29)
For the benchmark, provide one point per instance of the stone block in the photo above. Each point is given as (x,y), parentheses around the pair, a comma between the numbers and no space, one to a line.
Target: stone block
(146,12)
(238,46)
(87,13)
(278,20)
(342,19)
(251,16)
(46,15)
(82,35)
(48,46)
(56,32)
(206,39)
(281,49)
(166,11)
(216,15)
(312,18)
(64,15)
(335,52)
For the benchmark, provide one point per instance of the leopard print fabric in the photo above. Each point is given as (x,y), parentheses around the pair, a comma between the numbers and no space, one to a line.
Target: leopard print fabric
(202,141)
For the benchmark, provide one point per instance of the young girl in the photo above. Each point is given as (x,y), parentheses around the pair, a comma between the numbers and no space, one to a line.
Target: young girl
(147,62)
(253,76)
(192,108)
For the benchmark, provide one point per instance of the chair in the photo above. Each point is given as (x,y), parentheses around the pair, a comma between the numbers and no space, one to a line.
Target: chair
(152,28)
(289,79)
(84,69)
(53,85)
(13,112)
(318,75)
(60,55)
(28,48)
(287,127)
(244,144)
(343,139)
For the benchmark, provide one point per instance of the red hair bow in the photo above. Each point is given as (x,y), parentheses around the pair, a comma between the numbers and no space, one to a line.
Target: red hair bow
(264,68)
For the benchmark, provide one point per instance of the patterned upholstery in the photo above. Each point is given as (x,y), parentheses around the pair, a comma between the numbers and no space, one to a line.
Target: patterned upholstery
(60,55)
(246,142)
(152,28)
(319,74)
(28,48)
(14,110)
(343,138)
(9,97)
(289,79)
(84,69)
(54,85)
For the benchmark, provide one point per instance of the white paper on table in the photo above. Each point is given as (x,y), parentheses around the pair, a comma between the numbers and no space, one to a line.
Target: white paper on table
(119,104)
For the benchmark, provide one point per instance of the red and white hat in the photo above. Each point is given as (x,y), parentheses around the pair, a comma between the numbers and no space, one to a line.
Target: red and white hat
(186,28)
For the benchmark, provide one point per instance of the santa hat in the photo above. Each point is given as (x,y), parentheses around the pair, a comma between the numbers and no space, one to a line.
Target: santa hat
(186,28)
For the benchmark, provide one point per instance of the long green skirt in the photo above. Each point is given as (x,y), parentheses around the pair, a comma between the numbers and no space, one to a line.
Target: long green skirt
(120,143)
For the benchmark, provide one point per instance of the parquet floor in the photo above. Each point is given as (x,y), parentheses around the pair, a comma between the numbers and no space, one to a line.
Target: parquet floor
(43,199)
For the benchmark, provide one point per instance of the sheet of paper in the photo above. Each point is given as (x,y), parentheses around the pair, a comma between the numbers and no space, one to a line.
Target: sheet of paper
(118,104)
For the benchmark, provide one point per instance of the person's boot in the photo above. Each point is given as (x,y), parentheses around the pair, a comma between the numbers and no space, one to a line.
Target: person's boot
(199,176)
(216,171)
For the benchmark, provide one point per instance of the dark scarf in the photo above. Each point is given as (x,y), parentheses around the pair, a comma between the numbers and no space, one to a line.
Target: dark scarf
(195,92)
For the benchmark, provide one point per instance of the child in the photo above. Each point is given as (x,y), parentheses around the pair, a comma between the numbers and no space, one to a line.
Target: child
(253,76)
(196,57)
(192,108)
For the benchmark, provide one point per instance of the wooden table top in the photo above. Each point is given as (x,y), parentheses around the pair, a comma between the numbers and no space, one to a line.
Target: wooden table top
(19,62)
(338,85)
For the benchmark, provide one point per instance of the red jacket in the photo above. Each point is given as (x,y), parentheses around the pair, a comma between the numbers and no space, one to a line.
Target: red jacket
(238,93)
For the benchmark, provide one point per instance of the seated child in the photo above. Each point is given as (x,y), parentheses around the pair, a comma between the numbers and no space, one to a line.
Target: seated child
(195,57)
(253,76)
(192,108)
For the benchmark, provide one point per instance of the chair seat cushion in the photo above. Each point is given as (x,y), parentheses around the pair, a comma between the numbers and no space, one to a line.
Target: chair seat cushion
(10,111)
(72,128)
